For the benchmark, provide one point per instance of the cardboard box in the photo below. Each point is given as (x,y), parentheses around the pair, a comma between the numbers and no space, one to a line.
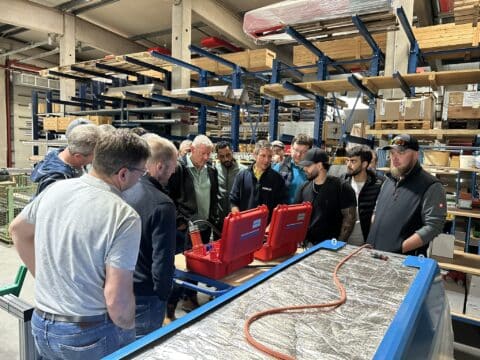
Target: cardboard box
(456,296)
(100,120)
(461,105)
(443,245)
(422,108)
(473,299)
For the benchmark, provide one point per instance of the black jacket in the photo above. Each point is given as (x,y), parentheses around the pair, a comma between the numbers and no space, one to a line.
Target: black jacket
(155,265)
(248,193)
(182,191)
(367,199)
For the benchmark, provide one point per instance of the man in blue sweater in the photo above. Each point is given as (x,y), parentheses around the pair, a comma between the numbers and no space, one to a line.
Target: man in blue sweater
(155,265)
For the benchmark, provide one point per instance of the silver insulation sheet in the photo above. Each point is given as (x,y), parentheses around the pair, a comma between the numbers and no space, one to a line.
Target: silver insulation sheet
(375,289)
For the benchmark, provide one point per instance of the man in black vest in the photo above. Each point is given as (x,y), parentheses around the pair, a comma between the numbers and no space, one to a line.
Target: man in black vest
(411,206)
(333,200)
(366,185)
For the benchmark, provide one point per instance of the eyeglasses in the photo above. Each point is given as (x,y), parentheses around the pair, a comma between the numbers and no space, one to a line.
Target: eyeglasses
(143,171)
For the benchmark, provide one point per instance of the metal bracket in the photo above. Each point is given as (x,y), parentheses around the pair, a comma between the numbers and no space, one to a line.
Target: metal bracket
(409,91)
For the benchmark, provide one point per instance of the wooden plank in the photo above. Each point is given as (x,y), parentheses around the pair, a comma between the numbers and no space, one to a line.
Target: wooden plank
(429,133)
(461,261)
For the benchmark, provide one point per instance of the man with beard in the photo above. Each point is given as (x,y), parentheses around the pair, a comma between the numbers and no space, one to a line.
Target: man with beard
(366,186)
(153,275)
(227,168)
(411,206)
(333,201)
(259,184)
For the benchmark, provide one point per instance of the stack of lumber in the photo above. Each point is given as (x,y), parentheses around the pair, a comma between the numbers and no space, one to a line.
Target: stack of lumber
(466,11)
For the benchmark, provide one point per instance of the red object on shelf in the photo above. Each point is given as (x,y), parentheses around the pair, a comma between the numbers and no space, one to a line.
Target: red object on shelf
(160,50)
(242,235)
(446,5)
(288,228)
(213,42)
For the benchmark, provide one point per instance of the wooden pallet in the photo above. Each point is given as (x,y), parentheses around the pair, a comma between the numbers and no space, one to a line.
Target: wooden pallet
(463,124)
(403,124)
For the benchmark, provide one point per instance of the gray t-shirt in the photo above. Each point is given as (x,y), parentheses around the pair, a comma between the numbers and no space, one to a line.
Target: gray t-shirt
(81,225)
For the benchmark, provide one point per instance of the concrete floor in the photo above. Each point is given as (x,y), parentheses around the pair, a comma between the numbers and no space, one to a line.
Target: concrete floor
(9,338)
(10,262)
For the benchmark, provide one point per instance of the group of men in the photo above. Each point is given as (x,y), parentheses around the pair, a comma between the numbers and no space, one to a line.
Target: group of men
(101,245)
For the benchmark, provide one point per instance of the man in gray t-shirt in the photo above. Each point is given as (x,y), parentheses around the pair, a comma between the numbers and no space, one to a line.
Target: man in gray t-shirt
(80,241)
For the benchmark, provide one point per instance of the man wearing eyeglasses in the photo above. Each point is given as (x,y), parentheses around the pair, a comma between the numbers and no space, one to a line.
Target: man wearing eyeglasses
(289,168)
(411,206)
(80,241)
(155,265)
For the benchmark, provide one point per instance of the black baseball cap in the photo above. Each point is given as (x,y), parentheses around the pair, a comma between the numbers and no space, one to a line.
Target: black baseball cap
(314,156)
(403,142)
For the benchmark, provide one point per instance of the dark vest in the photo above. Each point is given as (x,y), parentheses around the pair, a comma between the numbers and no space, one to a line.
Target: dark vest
(367,199)
(398,212)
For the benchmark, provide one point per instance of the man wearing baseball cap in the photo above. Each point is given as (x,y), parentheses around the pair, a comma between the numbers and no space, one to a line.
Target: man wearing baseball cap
(333,201)
(411,206)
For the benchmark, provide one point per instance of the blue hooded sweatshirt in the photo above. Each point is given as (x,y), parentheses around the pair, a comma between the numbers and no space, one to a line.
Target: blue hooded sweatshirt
(52,169)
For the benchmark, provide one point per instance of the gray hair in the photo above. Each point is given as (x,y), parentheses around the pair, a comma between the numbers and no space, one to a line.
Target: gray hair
(262,144)
(184,144)
(119,149)
(161,149)
(74,123)
(82,139)
(202,140)
(104,128)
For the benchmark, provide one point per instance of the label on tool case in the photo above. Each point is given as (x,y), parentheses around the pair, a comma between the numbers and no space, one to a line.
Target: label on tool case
(301,217)
(256,223)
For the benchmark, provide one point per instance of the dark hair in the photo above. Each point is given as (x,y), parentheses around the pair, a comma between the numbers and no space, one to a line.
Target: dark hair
(326,165)
(118,149)
(363,151)
(303,139)
(222,145)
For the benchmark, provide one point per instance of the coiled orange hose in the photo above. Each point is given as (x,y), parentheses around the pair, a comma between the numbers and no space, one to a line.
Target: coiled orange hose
(332,305)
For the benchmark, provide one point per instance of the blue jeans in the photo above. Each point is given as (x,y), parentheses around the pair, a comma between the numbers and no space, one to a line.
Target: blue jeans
(64,340)
(149,314)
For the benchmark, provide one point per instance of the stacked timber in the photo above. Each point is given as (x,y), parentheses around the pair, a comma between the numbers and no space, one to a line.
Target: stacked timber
(466,11)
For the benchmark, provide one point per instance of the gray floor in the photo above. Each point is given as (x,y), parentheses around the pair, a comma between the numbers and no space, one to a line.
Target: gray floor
(10,262)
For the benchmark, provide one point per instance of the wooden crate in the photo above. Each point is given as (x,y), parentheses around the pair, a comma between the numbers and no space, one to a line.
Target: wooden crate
(466,11)
(100,120)
(50,123)
(341,49)
(252,60)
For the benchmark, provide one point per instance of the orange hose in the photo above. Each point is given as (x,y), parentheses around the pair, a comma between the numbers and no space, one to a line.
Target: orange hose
(332,305)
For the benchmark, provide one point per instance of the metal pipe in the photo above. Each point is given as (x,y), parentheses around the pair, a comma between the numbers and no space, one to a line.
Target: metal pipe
(29,47)
(8,114)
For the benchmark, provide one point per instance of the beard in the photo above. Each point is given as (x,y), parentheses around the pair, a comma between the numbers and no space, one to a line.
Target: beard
(354,172)
(400,171)
(312,175)
(227,163)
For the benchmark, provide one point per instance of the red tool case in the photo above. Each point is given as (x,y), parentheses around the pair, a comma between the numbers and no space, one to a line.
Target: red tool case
(242,235)
(288,228)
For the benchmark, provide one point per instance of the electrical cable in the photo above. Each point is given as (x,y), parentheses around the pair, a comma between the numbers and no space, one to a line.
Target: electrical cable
(333,305)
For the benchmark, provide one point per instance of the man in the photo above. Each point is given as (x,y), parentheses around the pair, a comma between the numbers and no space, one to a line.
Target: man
(259,184)
(68,162)
(194,189)
(278,150)
(366,185)
(227,168)
(411,206)
(333,201)
(80,241)
(293,174)
(155,265)
(185,148)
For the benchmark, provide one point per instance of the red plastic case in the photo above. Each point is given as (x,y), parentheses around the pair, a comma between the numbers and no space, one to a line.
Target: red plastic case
(288,228)
(242,235)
